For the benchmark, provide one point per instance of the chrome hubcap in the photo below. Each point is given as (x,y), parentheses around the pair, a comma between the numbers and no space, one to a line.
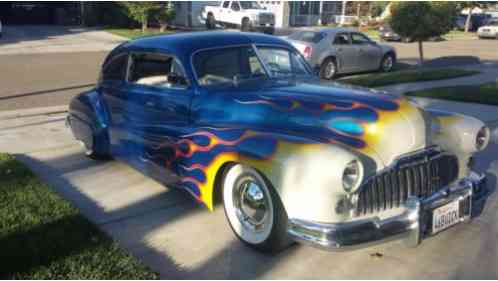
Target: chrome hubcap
(251,205)
(330,70)
(388,63)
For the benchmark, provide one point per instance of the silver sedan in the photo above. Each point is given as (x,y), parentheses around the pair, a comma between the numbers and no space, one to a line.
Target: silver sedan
(342,50)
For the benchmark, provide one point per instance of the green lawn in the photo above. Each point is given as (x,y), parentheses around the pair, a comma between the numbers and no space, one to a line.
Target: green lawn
(136,33)
(405,76)
(43,236)
(457,34)
(484,93)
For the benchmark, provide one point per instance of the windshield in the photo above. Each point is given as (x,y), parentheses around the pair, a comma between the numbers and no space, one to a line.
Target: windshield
(250,5)
(235,64)
(307,36)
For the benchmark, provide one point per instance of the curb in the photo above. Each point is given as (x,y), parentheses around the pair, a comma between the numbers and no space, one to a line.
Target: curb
(13,114)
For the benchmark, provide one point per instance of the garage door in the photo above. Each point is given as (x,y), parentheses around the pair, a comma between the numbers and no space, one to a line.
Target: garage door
(14,13)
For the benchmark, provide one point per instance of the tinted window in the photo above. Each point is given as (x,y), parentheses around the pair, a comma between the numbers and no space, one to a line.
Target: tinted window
(281,62)
(115,69)
(225,4)
(341,39)
(235,6)
(250,5)
(307,36)
(226,64)
(358,38)
(156,70)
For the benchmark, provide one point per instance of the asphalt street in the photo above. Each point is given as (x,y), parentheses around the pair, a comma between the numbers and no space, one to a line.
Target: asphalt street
(39,80)
(47,73)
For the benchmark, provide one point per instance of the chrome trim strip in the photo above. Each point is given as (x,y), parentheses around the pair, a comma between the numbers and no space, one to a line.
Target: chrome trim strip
(407,226)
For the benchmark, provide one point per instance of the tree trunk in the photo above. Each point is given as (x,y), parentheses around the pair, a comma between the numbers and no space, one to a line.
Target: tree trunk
(467,21)
(421,52)
(144,23)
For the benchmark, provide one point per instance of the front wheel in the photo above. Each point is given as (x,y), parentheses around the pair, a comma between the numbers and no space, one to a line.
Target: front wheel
(387,63)
(254,210)
(245,25)
(328,69)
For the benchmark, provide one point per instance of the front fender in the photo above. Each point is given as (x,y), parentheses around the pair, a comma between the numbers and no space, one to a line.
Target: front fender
(457,133)
(305,173)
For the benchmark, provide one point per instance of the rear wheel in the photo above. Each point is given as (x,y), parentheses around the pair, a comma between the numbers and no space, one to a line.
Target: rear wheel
(254,210)
(245,25)
(328,69)
(387,63)
(97,147)
(210,22)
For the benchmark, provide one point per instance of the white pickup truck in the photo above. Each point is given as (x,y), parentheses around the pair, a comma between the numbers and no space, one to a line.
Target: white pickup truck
(248,15)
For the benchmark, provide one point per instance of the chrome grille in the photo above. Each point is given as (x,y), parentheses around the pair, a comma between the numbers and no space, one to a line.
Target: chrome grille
(419,175)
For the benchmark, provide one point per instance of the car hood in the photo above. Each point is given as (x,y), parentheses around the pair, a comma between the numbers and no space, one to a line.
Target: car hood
(371,122)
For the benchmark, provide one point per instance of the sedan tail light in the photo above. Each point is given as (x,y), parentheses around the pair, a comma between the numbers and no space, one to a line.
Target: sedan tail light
(307,52)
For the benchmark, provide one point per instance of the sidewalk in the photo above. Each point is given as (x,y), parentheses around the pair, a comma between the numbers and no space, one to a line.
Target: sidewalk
(489,73)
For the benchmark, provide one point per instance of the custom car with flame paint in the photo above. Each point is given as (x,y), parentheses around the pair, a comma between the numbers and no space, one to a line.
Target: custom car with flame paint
(240,119)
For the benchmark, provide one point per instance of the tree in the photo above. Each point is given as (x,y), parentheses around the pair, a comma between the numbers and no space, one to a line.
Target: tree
(141,11)
(470,5)
(378,8)
(165,14)
(421,20)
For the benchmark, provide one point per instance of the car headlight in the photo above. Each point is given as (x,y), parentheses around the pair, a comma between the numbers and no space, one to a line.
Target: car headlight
(482,138)
(352,176)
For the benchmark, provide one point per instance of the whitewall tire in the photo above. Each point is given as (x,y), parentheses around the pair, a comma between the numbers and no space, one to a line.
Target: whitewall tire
(254,210)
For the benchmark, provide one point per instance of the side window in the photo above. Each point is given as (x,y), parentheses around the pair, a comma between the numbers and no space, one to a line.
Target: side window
(115,69)
(224,65)
(359,39)
(235,6)
(341,39)
(157,70)
(281,62)
(226,4)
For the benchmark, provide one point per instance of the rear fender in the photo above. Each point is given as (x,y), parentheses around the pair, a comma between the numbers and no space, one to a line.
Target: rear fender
(89,120)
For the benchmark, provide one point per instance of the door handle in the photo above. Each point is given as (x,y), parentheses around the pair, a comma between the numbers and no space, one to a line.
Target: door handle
(150,104)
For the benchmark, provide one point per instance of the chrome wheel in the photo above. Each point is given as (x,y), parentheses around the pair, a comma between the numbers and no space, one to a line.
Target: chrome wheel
(387,63)
(248,204)
(329,70)
(251,205)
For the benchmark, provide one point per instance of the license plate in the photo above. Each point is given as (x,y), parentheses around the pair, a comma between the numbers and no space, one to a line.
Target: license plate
(445,216)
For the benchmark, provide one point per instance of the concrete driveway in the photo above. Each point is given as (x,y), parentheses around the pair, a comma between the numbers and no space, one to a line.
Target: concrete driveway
(166,230)
(29,39)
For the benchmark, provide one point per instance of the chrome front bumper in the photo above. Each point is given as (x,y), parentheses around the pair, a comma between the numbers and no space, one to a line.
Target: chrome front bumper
(411,225)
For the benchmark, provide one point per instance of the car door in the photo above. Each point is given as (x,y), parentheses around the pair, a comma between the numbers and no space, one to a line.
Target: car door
(235,13)
(158,109)
(112,88)
(345,54)
(224,10)
(369,54)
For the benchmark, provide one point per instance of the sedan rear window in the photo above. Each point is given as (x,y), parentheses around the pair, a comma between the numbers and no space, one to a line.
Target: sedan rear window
(307,36)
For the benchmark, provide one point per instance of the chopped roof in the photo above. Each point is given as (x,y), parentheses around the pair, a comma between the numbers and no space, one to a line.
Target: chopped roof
(188,42)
